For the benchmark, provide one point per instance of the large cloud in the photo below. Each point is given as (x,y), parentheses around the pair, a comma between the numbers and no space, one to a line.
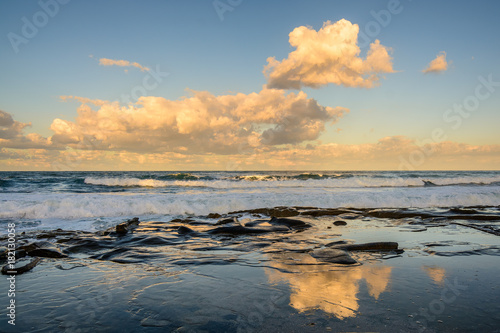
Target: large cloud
(330,55)
(438,65)
(11,134)
(203,123)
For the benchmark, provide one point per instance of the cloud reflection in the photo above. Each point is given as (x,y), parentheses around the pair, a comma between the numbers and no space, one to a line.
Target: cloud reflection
(315,285)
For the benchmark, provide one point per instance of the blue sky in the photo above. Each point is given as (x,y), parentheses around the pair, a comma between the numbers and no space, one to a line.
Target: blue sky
(203,53)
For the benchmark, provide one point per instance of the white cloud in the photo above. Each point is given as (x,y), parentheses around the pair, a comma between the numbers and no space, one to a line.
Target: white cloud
(330,55)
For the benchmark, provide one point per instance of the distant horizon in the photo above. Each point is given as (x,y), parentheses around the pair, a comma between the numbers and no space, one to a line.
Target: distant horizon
(288,170)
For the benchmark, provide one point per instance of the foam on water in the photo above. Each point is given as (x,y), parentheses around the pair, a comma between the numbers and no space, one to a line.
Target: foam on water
(89,206)
(257,181)
(92,200)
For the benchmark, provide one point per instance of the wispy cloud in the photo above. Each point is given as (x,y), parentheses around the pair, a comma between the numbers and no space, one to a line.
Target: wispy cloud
(121,63)
(329,55)
(438,65)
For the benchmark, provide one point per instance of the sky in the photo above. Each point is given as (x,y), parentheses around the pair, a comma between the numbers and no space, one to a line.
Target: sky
(249,85)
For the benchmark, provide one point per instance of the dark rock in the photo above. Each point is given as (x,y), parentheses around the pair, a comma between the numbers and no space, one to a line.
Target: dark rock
(397,214)
(127,226)
(182,230)
(227,221)
(349,216)
(55,233)
(272,212)
(188,220)
(214,216)
(255,223)
(459,210)
(47,253)
(335,256)
(375,246)
(19,268)
(121,229)
(339,223)
(3,252)
(333,244)
(41,249)
(36,245)
(286,212)
(264,211)
(20,254)
(323,212)
(87,245)
(291,223)
(241,230)
(475,217)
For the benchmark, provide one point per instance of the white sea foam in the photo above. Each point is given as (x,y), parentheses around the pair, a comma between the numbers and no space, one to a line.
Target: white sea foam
(72,207)
(263,181)
(93,200)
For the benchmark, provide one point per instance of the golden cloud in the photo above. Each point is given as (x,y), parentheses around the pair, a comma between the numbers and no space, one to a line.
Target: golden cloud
(438,65)
(203,123)
(121,63)
(330,55)
(11,134)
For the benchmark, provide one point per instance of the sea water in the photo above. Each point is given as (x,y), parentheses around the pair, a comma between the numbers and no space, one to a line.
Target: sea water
(96,200)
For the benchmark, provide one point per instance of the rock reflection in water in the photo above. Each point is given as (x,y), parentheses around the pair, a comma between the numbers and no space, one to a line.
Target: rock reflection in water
(332,289)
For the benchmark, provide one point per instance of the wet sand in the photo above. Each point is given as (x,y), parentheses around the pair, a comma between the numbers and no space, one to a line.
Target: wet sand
(246,272)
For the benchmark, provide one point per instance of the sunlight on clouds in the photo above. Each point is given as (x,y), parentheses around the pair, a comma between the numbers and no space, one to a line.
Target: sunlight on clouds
(203,123)
(384,154)
(11,134)
(330,55)
(269,130)
(438,65)
(121,63)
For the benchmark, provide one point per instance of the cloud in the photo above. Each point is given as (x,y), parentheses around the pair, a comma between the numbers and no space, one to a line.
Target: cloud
(390,153)
(202,123)
(386,154)
(83,100)
(11,134)
(121,63)
(437,65)
(330,55)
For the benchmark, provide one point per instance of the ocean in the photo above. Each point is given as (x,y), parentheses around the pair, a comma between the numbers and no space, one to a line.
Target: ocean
(252,251)
(92,201)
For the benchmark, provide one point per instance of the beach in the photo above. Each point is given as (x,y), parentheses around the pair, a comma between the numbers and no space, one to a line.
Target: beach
(249,166)
(275,268)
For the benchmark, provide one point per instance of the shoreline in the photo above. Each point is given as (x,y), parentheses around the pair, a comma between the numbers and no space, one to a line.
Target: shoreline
(281,268)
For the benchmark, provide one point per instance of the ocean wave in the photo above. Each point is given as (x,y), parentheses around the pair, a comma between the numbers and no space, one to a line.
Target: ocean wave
(301,180)
(84,206)
(302,176)
(182,176)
